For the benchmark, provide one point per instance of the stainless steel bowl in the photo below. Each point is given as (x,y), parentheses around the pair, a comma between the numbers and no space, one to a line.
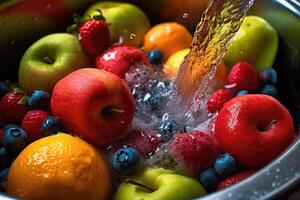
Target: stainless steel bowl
(284,173)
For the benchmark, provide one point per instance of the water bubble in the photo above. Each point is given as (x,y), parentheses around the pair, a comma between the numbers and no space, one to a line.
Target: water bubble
(185,15)
(132,36)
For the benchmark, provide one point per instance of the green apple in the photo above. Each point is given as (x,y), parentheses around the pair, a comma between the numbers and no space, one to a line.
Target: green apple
(127,23)
(50,59)
(255,42)
(159,184)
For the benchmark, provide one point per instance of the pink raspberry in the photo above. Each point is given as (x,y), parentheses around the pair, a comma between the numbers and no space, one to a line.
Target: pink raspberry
(194,151)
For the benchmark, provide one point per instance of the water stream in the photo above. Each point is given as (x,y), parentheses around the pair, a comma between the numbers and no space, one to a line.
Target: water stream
(218,25)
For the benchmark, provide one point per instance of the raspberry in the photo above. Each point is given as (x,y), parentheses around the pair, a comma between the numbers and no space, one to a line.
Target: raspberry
(32,123)
(235,179)
(144,143)
(243,76)
(194,151)
(217,100)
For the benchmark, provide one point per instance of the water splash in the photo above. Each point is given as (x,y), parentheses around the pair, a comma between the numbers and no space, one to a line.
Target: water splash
(218,25)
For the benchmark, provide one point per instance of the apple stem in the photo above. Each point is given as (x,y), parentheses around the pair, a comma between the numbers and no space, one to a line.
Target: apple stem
(48,60)
(139,184)
(116,110)
(270,125)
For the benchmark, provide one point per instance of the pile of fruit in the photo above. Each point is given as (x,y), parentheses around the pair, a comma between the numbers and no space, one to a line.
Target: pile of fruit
(87,119)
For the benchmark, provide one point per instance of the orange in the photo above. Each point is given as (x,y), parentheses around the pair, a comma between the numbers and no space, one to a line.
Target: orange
(172,66)
(59,167)
(167,38)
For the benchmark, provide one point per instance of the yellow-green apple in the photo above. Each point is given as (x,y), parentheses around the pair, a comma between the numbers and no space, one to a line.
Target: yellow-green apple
(128,23)
(50,59)
(159,184)
(255,42)
(255,129)
(94,104)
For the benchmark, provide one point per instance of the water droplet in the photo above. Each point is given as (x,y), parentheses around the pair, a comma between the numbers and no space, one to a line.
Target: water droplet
(48,5)
(35,18)
(12,42)
(278,170)
(273,184)
(185,15)
(132,36)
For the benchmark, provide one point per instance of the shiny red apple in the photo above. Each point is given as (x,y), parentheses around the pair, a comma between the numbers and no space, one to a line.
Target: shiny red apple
(94,104)
(255,129)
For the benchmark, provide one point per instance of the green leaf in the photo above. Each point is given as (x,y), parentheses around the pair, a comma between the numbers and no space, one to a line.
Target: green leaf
(77,18)
(72,28)
(23,101)
(99,15)
(17,90)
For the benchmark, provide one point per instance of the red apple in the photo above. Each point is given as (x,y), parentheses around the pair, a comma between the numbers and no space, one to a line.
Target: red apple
(119,59)
(94,104)
(255,129)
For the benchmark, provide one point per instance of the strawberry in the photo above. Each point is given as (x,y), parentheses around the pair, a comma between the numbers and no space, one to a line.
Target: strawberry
(243,76)
(32,123)
(194,151)
(94,35)
(144,143)
(13,106)
(234,179)
(119,59)
(217,100)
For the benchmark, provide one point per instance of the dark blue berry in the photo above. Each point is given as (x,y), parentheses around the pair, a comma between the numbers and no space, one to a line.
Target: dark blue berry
(39,99)
(4,159)
(225,165)
(209,179)
(168,127)
(3,175)
(3,88)
(50,126)
(242,92)
(10,126)
(126,161)
(14,140)
(268,76)
(155,57)
(155,101)
(269,90)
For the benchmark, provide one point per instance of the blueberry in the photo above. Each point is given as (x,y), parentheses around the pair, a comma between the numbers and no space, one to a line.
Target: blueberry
(3,88)
(39,99)
(10,126)
(268,76)
(225,165)
(209,179)
(269,90)
(14,140)
(155,57)
(155,100)
(3,175)
(51,125)
(242,92)
(168,127)
(126,161)
(4,158)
